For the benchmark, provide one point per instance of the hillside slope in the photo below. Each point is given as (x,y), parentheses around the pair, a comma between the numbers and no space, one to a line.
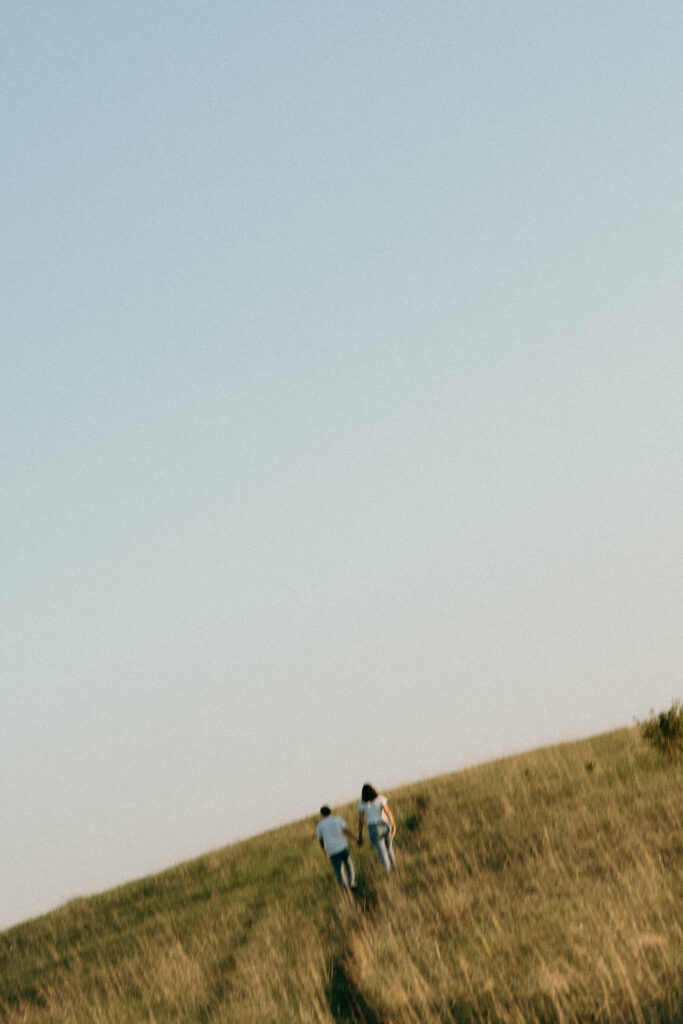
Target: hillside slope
(545,887)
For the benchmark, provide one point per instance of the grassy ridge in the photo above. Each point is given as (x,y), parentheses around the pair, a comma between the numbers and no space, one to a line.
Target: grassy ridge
(545,887)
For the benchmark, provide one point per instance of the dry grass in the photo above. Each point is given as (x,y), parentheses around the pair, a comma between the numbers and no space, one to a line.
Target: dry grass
(546,887)
(510,911)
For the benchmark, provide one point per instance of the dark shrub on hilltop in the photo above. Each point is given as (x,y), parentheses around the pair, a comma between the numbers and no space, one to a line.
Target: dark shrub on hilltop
(664,731)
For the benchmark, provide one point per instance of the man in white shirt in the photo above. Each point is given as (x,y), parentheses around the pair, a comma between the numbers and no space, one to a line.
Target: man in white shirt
(331,833)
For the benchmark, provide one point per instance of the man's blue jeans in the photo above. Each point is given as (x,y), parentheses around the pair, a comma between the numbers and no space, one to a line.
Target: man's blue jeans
(383,841)
(341,862)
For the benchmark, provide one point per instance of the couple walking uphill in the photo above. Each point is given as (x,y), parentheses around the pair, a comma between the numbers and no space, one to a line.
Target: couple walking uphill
(332,832)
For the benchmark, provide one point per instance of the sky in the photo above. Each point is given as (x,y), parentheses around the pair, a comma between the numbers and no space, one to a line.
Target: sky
(341,408)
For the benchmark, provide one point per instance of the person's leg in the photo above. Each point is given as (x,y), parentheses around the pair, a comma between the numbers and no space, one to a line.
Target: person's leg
(378,834)
(389,843)
(336,860)
(349,868)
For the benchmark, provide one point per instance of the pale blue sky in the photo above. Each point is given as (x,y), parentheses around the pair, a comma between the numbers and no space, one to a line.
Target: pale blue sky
(341,407)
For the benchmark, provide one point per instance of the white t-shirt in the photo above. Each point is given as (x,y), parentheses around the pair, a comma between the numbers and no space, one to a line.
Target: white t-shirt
(330,831)
(372,809)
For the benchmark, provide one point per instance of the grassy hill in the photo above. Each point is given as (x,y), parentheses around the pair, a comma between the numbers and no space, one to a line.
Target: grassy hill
(544,887)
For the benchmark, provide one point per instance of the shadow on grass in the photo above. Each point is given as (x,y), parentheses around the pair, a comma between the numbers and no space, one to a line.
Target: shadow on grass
(347,1004)
(365,895)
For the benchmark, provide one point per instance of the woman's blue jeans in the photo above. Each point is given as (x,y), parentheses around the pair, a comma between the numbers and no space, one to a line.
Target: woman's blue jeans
(383,841)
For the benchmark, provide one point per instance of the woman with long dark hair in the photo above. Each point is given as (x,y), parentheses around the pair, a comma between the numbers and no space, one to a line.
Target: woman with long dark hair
(374,809)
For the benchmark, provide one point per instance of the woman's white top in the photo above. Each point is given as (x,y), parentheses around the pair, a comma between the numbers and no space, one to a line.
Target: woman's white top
(372,809)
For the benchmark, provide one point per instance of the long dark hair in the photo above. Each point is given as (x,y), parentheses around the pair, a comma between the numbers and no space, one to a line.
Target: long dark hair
(368,792)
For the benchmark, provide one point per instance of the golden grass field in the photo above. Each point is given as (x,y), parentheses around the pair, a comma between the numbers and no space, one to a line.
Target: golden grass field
(543,887)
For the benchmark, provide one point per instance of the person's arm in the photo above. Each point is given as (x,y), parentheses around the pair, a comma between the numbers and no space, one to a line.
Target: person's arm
(322,847)
(390,818)
(350,834)
(361,823)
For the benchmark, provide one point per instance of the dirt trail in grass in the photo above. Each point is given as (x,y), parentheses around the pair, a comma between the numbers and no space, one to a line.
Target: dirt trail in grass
(222,973)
